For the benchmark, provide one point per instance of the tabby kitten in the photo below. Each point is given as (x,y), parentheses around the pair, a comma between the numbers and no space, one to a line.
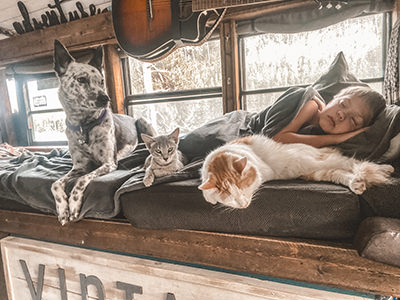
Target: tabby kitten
(164,158)
(232,173)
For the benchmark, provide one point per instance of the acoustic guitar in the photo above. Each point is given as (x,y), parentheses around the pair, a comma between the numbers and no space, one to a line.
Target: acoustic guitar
(151,29)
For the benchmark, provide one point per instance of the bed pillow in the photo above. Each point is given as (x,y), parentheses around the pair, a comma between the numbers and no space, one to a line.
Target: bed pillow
(336,78)
(379,142)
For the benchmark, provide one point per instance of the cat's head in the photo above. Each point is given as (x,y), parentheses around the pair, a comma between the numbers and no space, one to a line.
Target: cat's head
(162,147)
(230,180)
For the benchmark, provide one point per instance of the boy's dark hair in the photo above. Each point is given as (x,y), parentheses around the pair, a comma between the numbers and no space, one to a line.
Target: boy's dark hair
(375,100)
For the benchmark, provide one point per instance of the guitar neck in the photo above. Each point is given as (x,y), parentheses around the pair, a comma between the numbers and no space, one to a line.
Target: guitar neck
(201,5)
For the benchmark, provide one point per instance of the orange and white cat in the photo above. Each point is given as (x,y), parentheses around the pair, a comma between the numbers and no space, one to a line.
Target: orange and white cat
(232,173)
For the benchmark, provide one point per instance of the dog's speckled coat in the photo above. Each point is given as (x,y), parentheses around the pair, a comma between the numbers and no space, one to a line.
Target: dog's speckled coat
(96,151)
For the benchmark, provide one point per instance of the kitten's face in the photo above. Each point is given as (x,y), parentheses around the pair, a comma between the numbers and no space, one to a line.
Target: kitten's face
(162,147)
(230,181)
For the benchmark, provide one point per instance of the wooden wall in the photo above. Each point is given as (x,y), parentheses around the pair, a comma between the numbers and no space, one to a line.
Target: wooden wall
(9,11)
(3,289)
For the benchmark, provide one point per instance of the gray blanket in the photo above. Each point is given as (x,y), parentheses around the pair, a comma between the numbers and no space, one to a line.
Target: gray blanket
(27,179)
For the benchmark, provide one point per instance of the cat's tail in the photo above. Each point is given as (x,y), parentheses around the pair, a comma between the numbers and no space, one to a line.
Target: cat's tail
(142,126)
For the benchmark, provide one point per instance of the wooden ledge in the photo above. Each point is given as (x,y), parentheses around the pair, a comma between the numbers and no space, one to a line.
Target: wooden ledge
(327,264)
(75,35)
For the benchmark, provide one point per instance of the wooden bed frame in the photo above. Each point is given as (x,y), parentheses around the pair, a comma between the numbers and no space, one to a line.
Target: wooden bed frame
(323,263)
(329,264)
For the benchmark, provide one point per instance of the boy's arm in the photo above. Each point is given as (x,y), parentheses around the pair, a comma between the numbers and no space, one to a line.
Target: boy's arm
(289,135)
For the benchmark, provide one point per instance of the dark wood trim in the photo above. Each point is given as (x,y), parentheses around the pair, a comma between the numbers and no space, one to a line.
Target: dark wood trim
(396,11)
(230,66)
(258,10)
(75,35)
(113,76)
(3,286)
(328,264)
(6,123)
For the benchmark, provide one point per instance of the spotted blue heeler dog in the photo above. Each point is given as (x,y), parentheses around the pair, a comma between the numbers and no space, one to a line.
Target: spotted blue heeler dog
(97,138)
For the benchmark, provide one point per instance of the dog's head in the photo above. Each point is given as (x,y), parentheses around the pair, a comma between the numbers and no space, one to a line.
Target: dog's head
(81,84)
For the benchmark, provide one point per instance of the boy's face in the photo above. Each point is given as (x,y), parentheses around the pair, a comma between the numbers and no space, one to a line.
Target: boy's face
(344,114)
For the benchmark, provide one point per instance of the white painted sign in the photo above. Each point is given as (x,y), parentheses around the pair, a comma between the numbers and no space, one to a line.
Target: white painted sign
(46,271)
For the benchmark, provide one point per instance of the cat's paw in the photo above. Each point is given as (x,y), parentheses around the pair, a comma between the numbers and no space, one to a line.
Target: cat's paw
(148,181)
(384,172)
(358,185)
(375,174)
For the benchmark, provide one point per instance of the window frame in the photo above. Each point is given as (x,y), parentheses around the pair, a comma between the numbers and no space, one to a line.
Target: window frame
(386,29)
(186,95)
(24,115)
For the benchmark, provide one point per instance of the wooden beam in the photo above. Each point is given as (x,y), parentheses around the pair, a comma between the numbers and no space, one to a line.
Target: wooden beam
(75,35)
(258,10)
(6,124)
(3,289)
(230,66)
(396,11)
(327,264)
(114,80)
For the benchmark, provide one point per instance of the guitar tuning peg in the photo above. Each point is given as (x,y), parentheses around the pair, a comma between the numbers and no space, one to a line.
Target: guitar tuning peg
(338,6)
(329,5)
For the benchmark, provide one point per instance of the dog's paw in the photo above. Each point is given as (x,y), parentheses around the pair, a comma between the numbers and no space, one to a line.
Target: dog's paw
(148,181)
(62,207)
(63,217)
(75,203)
(74,216)
(358,185)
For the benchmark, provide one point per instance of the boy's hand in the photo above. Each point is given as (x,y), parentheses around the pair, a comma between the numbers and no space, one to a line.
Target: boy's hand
(351,134)
(321,104)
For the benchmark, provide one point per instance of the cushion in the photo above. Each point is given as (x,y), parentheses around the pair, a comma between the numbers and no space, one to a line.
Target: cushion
(336,78)
(379,239)
(292,208)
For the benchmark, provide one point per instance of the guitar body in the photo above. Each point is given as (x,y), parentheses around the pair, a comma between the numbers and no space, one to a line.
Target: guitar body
(136,32)
(150,29)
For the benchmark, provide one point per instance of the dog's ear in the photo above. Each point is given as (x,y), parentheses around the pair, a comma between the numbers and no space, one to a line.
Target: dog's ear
(62,58)
(97,60)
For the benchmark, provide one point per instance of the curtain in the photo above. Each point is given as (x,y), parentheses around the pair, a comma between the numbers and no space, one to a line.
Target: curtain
(391,82)
(311,17)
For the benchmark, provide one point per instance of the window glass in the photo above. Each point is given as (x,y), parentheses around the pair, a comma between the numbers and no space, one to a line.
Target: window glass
(186,68)
(45,125)
(48,127)
(189,69)
(282,60)
(43,95)
(259,101)
(12,94)
(186,115)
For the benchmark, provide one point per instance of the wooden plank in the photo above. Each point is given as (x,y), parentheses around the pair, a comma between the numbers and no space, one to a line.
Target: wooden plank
(10,13)
(313,262)
(396,11)
(6,124)
(151,279)
(230,66)
(75,35)
(3,289)
(259,10)
(113,76)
